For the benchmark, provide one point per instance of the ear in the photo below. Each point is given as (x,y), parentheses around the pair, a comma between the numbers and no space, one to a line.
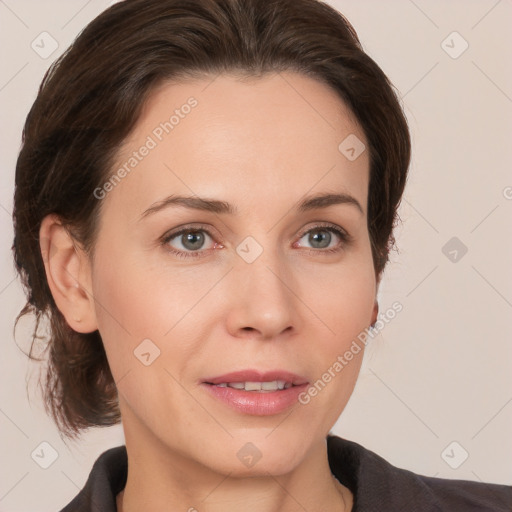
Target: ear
(68,274)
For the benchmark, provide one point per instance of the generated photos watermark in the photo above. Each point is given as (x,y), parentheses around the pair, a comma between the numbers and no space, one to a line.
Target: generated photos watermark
(151,142)
(354,349)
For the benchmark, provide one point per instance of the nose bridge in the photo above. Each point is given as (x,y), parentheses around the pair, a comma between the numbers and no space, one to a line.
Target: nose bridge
(264,298)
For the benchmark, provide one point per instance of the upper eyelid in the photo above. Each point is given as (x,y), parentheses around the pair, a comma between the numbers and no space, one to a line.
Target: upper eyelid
(323,224)
(179,231)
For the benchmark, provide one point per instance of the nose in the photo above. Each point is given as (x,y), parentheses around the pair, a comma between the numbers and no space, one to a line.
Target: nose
(263,299)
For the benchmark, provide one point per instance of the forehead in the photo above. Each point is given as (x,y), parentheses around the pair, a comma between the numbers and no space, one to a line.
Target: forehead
(276,137)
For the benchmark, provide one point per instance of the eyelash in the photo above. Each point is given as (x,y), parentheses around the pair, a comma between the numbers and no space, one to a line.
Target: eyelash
(345,238)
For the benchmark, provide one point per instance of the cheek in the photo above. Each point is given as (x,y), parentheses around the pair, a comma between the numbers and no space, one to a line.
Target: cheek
(341,295)
(345,313)
(125,306)
(342,299)
(137,300)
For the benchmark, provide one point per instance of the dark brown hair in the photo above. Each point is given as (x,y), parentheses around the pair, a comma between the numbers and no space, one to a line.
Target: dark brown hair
(90,100)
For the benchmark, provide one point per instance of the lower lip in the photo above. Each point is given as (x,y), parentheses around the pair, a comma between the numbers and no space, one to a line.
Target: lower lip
(254,402)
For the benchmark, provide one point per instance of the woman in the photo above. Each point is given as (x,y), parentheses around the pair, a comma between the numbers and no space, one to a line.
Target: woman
(204,207)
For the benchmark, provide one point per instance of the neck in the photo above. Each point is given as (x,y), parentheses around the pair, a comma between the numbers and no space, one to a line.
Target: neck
(160,478)
(343,504)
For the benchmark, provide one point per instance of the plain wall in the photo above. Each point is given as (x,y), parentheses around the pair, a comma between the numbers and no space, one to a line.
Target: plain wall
(440,371)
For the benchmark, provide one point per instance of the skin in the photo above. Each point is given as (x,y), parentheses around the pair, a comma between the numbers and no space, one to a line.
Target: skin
(262,145)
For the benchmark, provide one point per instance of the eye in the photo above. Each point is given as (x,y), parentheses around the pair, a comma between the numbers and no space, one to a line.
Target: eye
(321,237)
(189,242)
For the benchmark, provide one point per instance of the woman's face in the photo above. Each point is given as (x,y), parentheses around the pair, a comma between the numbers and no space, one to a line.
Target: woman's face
(261,285)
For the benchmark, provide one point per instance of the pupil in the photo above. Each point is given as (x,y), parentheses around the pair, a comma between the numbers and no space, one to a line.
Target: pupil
(193,240)
(320,236)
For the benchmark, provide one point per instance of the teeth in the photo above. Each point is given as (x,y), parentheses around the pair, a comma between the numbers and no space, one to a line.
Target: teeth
(274,385)
(253,386)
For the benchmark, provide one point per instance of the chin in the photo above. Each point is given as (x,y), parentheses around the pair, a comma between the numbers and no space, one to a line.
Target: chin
(259,452)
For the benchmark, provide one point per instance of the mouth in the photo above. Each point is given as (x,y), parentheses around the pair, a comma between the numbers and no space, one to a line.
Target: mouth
(262,387)
(257,393)
(255,380)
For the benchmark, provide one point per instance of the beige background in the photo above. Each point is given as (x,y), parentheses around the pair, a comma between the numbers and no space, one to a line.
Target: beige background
(441,370)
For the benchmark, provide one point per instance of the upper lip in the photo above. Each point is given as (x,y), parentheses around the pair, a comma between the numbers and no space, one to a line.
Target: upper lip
(257,376)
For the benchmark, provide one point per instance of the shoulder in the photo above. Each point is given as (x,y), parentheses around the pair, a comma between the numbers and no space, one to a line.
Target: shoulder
(378,485)
(468,495)
(106,479)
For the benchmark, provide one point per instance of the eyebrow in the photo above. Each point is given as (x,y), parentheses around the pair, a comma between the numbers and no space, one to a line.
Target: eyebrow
(315,202)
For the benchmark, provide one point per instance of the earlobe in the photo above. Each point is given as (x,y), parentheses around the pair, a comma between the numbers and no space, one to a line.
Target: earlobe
(375,312)
(68,275)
